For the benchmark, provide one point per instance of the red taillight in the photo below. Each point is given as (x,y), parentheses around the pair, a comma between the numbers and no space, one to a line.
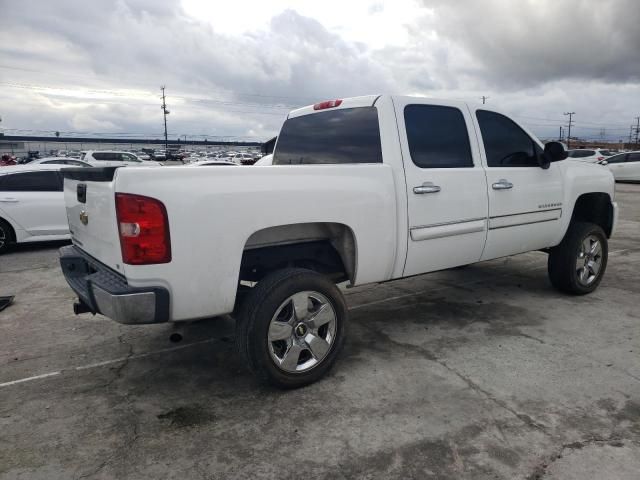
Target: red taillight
(327,104)
(144,230)
(600,159)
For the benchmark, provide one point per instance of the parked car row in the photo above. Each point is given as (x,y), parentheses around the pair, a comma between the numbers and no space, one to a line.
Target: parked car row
(624,166)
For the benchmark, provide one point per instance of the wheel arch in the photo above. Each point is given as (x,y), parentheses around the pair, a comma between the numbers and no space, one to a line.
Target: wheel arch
(327,247)
(12,229)
(595,207)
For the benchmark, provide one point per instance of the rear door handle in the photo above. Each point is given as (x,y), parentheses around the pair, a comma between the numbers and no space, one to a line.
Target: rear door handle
(9,200)
(502,184)
(426,187)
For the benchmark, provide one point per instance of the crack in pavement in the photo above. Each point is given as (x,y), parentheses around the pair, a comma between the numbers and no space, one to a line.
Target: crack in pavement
(134,420)
(541,470)
(524,418)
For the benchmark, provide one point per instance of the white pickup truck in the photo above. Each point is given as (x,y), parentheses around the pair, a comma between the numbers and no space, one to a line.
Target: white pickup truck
(362,190)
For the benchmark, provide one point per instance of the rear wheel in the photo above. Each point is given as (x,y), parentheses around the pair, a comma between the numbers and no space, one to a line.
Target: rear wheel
(578,264)
(6,236)
(291,327)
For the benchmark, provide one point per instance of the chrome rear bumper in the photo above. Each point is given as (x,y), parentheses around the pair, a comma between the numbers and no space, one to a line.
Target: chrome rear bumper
(101,290)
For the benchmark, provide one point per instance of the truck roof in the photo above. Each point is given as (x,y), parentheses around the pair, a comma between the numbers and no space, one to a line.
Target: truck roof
(352,102)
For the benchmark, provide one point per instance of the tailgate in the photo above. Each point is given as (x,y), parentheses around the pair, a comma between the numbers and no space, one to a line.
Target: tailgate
(89,196)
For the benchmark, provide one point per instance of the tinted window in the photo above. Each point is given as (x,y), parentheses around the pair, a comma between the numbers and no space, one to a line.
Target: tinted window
(106,156)
(581,153)
(350,135)
(76,164)
(31,182)
(633,157)
(617,158)
(505,143)
(437,136)
(127,157)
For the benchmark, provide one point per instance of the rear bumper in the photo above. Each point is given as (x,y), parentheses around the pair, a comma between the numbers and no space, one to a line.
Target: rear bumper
(106,292)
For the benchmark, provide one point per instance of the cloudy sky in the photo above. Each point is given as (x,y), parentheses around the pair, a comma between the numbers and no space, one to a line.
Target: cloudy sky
(234,68)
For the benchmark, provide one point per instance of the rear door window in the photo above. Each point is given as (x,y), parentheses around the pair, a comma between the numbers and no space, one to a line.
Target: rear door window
(46,181)
(348,135)
(633,157)
(437,136)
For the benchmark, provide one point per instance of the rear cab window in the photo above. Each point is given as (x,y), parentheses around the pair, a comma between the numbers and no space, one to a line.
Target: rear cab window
(348,135)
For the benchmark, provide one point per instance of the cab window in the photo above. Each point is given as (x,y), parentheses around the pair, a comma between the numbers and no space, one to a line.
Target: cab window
(437,136)
(505,143)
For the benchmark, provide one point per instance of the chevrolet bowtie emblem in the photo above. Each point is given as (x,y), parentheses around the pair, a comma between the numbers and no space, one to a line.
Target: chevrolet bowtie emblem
(84,217)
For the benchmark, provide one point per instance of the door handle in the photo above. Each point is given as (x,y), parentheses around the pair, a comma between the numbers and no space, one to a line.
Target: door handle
(502,184)
(9,200)
(426,187)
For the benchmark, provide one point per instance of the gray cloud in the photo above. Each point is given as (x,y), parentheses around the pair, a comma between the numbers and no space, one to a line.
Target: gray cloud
(524,43)
(535,59)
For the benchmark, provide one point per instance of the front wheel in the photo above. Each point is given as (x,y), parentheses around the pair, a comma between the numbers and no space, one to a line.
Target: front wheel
(578,264)
(291,327)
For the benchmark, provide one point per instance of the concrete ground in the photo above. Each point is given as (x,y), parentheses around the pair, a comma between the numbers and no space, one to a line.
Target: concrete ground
(482,372)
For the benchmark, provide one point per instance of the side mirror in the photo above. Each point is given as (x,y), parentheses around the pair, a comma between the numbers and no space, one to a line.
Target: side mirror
(555,151)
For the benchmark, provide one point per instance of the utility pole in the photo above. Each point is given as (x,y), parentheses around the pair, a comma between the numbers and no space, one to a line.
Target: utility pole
(637,129)
(165,113)
(560,135)
(484,99)
(571,114)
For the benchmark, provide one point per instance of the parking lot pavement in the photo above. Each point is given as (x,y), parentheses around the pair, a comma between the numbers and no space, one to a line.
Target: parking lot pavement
(481,372)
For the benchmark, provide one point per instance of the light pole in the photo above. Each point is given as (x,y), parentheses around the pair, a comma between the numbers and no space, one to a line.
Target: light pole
(571,114)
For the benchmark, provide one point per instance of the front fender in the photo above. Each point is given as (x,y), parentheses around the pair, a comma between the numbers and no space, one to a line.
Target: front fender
(581,178)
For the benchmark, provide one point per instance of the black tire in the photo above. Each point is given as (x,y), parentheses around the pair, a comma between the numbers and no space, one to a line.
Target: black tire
(7,237)
(255,318)
(561,265)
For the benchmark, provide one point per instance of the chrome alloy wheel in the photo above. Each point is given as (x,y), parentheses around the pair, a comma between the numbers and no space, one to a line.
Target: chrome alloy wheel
(589,260)
(302,331)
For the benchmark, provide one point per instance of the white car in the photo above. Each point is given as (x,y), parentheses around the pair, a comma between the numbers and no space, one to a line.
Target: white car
(31,204)
(367,190)
(264,161)
(588,155)
(71,162)
(244,158)
(213,162)
(115,158)
(625,166)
